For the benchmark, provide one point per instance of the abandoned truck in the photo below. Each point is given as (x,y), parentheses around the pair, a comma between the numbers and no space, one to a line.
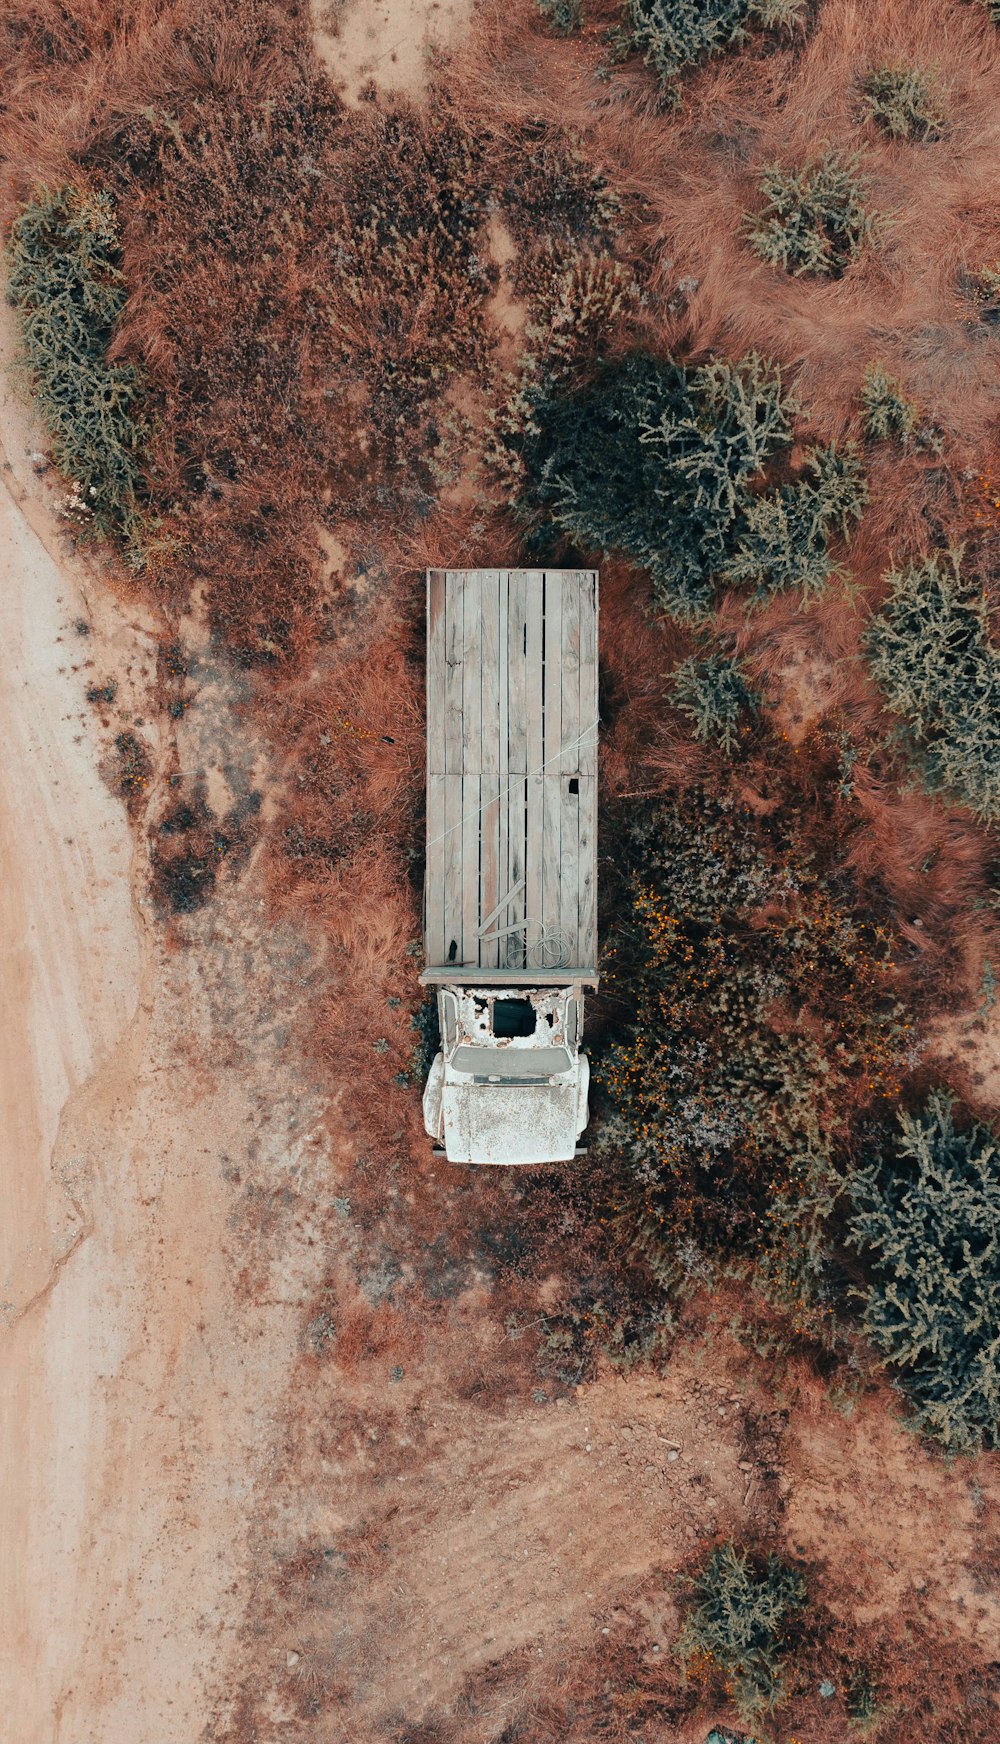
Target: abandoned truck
(510,935)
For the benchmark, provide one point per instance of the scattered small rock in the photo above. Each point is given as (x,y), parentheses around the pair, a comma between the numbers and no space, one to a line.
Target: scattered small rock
(291,1658)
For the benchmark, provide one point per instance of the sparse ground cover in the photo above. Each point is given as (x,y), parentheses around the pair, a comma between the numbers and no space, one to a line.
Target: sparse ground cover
(525,1437)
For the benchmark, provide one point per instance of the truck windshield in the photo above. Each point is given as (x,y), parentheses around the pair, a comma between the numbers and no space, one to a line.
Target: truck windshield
(511,1062)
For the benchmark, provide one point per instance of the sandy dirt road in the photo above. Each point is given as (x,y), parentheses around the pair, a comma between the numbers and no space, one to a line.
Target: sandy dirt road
(138,1391)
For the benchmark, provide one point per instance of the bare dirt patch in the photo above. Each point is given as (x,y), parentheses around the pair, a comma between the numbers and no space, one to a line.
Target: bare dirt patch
(390,44)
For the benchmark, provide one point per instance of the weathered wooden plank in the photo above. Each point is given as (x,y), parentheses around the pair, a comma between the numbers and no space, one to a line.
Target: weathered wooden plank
(587,874)
(452,720)
(472,750)
(550,912)
(435,944)
(587,871)
(517,730)
(516,671)
(588,672)
(552,672)
(517,790)
(434,906)
(551,890)
(503,802)
(569,763)
(489,820)
(579,975)
(569,659)
(451,868)
(569,835)
(535,702)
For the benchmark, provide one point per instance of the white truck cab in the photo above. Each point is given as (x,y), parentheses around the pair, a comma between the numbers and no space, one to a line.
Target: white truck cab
(510,1083)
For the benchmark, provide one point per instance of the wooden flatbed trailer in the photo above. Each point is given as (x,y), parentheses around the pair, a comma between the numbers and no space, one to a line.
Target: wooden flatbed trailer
(510,889)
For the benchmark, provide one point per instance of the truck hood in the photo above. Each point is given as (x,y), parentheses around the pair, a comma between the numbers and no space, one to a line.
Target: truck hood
(499,1123)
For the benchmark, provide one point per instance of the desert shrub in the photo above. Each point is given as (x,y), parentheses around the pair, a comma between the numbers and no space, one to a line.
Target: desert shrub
(426,1026)
(563,15)
(661,462)
(405,258)
(656,461)
(66,282)
(784,535)
(131,771)
(928,1218)
(816,220)
(887,411)
(307,290)
(715,695)
(551,191)
(737,1622)
(574,294)
(564,216)
(901,102)
(673,35)
(932,654)
(757,1014)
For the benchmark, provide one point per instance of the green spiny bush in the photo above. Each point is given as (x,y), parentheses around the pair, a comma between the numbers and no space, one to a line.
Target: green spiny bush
(887,410)
(715,695)
(757,1011)
(565,16)
(662,462)
(65,280)
(816,220)
(784,535)
(655,461)
(928,1217)
(932,654)
(673,35)
(901,102)
(737,1623)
